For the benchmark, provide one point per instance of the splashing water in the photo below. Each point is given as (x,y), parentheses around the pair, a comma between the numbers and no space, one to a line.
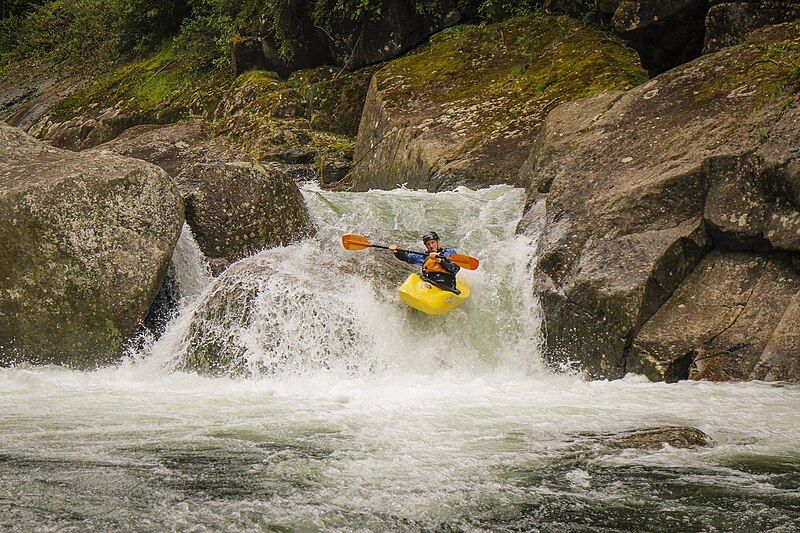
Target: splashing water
(365,415)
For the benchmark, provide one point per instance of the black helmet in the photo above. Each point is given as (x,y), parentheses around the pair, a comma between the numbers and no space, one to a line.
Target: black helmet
(430,236)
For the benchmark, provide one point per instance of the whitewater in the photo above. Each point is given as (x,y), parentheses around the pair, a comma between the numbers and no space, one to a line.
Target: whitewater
(356,413)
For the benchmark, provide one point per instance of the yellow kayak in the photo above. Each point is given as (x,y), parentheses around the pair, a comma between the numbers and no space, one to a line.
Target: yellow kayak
(431,300)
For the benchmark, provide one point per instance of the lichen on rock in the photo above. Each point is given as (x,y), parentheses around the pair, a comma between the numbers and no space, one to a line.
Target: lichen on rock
(87,239)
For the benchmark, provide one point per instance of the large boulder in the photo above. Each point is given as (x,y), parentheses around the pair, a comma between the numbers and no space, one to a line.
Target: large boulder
(237,209)
(87,239)
(666,33)
(730,23)
(274,312)
(379,34)
(631,190)
(464,109)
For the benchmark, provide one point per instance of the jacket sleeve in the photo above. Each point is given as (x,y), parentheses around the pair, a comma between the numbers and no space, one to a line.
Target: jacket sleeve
(410,258)
(447,264)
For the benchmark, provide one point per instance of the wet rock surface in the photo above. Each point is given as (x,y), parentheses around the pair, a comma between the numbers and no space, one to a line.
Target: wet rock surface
(237,209)
(464,109)
(658,437)
(87,239)
(637,187)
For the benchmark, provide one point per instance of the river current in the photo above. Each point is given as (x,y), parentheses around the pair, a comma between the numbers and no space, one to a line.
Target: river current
(414,423)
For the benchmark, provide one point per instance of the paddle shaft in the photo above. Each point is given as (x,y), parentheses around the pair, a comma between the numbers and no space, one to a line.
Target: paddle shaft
(404,251)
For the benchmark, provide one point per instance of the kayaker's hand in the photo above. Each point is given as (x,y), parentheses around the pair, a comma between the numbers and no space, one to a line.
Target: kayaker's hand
(393,248)
(434,255)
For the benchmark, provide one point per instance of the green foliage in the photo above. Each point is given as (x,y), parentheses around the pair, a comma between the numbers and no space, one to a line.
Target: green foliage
(497,10)
(78,30)
(75,32)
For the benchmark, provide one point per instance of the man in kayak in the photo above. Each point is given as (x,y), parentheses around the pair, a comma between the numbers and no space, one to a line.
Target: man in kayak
(436,268)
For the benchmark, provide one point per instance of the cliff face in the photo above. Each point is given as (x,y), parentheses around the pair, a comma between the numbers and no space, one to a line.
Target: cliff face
(634,190)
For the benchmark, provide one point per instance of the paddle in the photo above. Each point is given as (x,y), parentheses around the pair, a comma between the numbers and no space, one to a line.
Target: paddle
(359,242)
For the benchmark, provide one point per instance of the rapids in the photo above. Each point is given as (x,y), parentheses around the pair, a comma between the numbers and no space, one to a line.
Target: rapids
(409,423)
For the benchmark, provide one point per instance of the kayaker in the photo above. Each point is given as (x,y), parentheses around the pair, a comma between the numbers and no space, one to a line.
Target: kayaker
(436,268)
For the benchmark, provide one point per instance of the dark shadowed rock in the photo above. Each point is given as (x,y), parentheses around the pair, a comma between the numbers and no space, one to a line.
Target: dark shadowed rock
(730,23)
(638,186)
(343,42)
(666,33)
(464,109)
(86,239)
(237,209)
(571,7)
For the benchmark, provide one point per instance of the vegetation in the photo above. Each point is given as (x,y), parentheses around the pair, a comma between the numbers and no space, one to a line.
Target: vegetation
(80,33)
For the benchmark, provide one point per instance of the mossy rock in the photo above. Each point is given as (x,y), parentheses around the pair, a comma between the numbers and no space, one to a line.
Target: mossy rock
(317,108)
(465,108)
(159,89)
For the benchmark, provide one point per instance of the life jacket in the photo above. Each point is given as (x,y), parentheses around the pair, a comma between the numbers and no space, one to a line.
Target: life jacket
(432,265)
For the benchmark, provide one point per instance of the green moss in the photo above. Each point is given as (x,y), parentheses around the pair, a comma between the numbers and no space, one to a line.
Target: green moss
(525,59)
(315,108)
(160,88)
(765,70)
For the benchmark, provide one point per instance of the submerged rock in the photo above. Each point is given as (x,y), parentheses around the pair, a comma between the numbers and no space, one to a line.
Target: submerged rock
(265,314)
(658,437)
(637,187)
(237,209)
(464,109)
(87,239)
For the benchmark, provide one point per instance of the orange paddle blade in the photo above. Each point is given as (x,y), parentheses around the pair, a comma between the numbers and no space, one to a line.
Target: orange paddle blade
(355,242)
(465,261)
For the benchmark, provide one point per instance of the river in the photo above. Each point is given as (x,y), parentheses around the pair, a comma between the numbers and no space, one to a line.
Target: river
(406,423)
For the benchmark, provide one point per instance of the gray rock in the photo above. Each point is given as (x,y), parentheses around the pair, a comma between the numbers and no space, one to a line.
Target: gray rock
(87,239)
(237,209)
(779,360)
(718,323)
(174,147)
(638,186)
(730,23)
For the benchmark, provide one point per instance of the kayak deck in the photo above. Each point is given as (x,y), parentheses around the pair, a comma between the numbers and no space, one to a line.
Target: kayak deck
(422,296)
